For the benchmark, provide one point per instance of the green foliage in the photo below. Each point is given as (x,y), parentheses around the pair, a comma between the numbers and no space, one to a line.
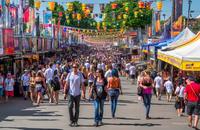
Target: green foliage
(85,22)
(31,3)
(143,17)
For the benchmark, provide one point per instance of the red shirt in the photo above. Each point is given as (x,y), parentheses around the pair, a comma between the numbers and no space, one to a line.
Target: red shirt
(190,94)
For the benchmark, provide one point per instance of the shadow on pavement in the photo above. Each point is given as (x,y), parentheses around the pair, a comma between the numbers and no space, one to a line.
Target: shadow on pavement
(127,101)
(160,118)
(21,108)
(121,118)
(26,128)
(133,124)
(162,104)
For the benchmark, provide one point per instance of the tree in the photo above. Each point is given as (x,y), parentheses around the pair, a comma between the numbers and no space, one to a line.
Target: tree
(126,15)
(70,20)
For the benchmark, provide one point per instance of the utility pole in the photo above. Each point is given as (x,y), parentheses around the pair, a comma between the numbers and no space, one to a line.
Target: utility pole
(189,8)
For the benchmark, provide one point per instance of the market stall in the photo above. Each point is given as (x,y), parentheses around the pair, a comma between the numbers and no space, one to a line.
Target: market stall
(185,57)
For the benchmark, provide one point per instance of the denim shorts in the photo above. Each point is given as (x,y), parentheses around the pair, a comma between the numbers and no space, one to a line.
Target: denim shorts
(26,88)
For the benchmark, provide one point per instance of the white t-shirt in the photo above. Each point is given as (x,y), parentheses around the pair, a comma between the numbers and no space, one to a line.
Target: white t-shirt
(48,74)
(158,82)
(169,86)
(9,84)
(25,80)
(87,65)
(127,66)
(103,66)
(75,82)
(108,74)
(180,91)
(99,66)
(132,70)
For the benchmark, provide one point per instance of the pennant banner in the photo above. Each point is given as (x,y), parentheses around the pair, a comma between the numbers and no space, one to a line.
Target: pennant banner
(177,18)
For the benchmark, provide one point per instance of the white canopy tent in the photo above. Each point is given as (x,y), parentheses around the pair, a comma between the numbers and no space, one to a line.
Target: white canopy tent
(186,57)
(187,35)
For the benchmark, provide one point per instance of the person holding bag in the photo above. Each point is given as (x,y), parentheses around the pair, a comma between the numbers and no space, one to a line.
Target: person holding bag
(192,96)
(114,89)
(98,93)
(147,86)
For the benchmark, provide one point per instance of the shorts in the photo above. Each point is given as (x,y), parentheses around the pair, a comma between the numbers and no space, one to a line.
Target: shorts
(26,88)
(1,92)
(193,108)
(90,84)
(38,88)
(10,93)
(132,76)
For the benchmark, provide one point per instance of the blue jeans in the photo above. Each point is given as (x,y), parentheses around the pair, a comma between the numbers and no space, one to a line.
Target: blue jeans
(99,108)
(114,94)
(147,103)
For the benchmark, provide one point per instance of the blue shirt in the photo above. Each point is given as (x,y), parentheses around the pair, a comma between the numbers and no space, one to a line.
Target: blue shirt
(75,82)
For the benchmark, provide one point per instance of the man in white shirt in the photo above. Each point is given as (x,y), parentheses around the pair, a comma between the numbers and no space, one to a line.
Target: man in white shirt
(127,66)
(169,89)
(25,79)
(87,65)
(48,74)
(132,72)
(74,83)
(158,83)
(108,72)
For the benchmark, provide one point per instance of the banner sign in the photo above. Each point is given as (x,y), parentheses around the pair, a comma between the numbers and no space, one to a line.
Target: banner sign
(177,18)
(8,41)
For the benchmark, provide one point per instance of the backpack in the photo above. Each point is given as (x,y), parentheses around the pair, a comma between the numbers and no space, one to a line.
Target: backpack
(55,83)
(100,91)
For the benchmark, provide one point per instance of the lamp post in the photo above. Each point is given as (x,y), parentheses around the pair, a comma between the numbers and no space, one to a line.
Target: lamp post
(189,8)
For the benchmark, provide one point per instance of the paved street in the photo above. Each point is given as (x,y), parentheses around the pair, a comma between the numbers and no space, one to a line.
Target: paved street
(21,115)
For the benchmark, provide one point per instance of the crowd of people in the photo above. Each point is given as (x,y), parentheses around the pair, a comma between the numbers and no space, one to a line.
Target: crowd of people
(94,75)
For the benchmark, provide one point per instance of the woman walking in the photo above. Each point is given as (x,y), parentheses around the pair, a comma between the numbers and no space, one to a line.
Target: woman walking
(147,85)
(32,86)
(114,89)
(179,104)
(56,86)
(98,93)
(39,84)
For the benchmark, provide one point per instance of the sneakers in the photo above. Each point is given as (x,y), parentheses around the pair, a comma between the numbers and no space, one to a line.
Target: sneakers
(95,124)
(100,123)
(73,124)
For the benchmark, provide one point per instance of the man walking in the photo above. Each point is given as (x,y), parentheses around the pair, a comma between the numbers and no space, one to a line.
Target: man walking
(158,83)
(192,95)
(25,83)
(48,74)
(74,82)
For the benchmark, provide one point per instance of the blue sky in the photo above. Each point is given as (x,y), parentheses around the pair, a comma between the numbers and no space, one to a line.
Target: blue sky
(167,6)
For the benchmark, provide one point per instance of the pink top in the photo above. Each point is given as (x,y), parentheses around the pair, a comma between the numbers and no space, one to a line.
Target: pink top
(147,90)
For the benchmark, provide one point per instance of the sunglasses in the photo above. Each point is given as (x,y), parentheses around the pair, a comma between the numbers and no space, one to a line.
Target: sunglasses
(75,67)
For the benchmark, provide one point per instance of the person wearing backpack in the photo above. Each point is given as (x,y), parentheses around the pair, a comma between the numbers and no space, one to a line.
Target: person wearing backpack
(74,83)
(98,93)
(114,89)
(55,83)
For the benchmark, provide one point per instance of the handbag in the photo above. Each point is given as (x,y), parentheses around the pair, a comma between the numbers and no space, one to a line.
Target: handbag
(139,91)
(177,99)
